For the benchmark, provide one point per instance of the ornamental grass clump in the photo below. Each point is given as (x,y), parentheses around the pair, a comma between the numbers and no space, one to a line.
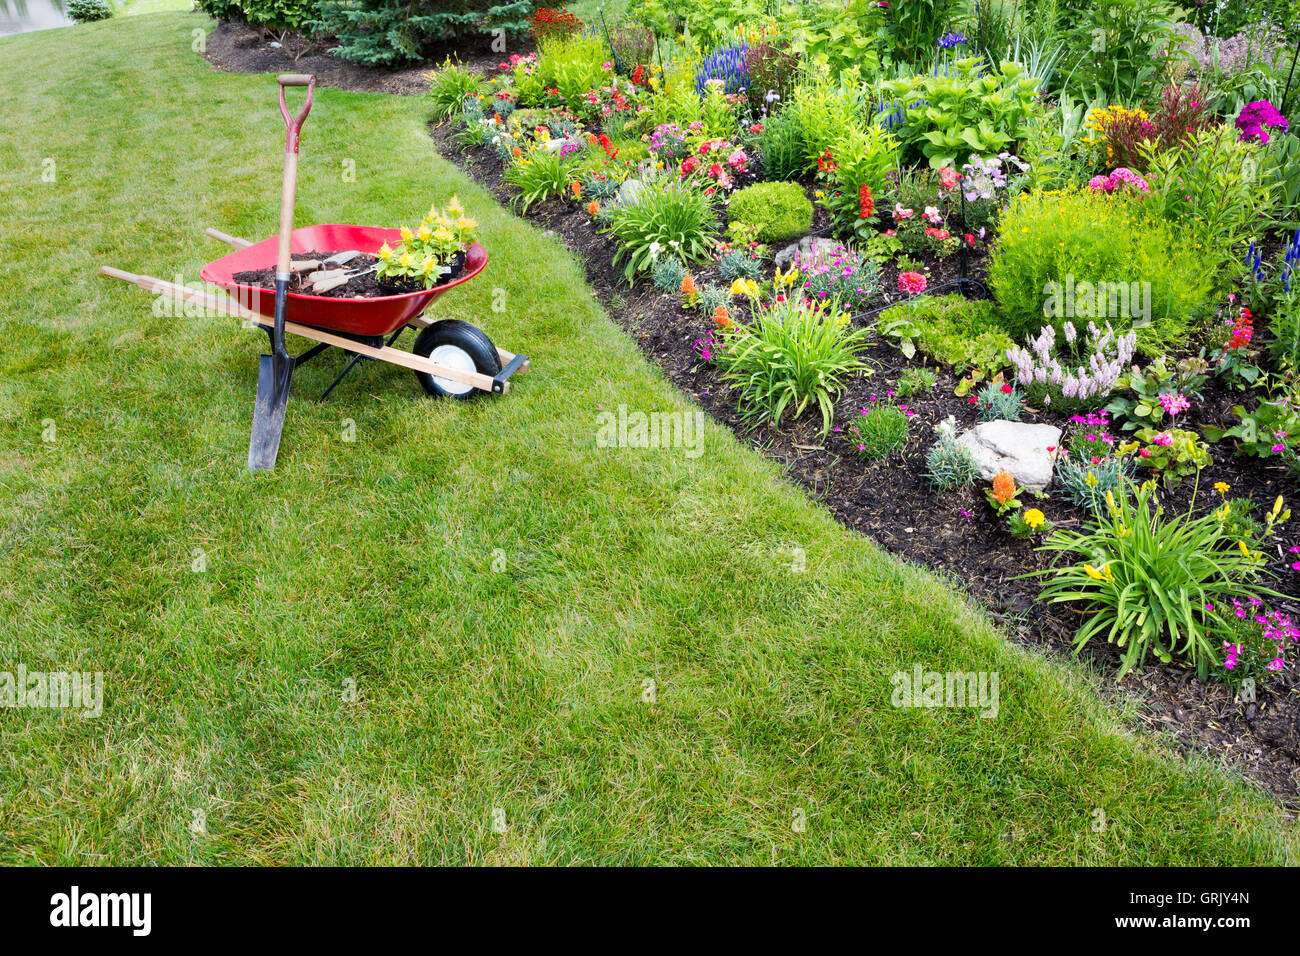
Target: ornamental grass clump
(1152,583)
(790,357)
(879,431)
(669,219)
(1048,380)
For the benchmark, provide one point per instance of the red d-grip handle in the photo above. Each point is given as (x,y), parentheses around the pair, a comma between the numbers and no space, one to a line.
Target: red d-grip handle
(295,123)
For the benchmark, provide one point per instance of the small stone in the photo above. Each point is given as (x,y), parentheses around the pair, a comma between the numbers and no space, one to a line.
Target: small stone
(273,45)
(1018,448)
(551,145)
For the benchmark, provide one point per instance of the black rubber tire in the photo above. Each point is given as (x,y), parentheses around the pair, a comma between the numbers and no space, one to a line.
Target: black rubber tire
(468,339)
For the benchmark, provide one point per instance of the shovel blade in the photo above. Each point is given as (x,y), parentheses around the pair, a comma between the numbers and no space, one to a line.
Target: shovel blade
(274,374)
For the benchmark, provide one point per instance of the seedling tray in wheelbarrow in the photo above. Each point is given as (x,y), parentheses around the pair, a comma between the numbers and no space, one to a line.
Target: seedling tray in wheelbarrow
(373,316)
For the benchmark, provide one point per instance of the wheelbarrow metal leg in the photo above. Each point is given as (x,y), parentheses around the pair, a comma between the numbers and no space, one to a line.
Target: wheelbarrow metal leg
(357,357)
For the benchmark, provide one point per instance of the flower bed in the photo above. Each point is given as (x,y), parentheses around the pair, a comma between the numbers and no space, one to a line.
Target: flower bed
(871,368)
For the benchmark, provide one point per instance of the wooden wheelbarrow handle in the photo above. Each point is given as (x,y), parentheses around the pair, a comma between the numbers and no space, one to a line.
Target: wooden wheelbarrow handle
(227,239)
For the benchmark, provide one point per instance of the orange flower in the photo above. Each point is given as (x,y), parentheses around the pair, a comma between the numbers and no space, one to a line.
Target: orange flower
(593,207)
(591,139)
(721,318)
(688,285)
(1004,487)
(496,118)
(516,152)
(577,189)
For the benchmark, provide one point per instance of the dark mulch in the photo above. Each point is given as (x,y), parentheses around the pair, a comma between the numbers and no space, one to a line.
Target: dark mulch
(956,532)
(363,286)
(239,48)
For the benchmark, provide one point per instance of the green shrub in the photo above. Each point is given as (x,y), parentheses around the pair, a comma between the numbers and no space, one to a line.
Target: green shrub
(280,14)
(1060,255)
(391,32)
(959,332)
(790,357)
(277,14)
(672,219)
(87,11)
(779,211)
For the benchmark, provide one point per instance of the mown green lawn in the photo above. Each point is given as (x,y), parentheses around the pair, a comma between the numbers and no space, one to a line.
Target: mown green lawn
(500,589)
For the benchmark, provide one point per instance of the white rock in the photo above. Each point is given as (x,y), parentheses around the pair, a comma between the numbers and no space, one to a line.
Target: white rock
(1015,447)
(551,145)
(629,191)
(805,247)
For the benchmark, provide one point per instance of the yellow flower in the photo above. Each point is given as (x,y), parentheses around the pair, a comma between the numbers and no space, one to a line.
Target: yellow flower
(455,208)
(1034,518)
(1110,501)
(1277,506)
(406,234)
(425,233)
(405,260)
(745,287)
(1091,480)
(1103,575)
(385,252)
(1245,551)
(1221,487)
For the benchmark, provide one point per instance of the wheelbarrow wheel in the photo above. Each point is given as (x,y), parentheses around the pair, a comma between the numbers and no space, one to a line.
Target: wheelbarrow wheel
(458,345)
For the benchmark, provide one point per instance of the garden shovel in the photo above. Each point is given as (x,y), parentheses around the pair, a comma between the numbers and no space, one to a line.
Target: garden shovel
(276,370)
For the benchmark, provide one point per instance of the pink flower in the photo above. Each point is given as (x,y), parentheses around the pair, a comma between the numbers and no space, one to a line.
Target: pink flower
(1174,403)
(1164,439)
(911,282)
(902,212)
(949,177)
(1145,452)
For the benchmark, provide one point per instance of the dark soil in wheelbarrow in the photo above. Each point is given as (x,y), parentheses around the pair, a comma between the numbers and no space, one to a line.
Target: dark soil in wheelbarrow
(364,286)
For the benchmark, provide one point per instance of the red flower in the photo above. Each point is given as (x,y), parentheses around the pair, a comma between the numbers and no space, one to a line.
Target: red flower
(973,400)
(866,204)
(911,282)
(1006,388)
(970,240)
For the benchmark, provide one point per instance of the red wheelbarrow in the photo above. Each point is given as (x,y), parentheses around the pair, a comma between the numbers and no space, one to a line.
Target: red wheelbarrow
(450,358)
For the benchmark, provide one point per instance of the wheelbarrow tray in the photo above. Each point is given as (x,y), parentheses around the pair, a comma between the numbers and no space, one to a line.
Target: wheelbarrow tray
(376,316)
